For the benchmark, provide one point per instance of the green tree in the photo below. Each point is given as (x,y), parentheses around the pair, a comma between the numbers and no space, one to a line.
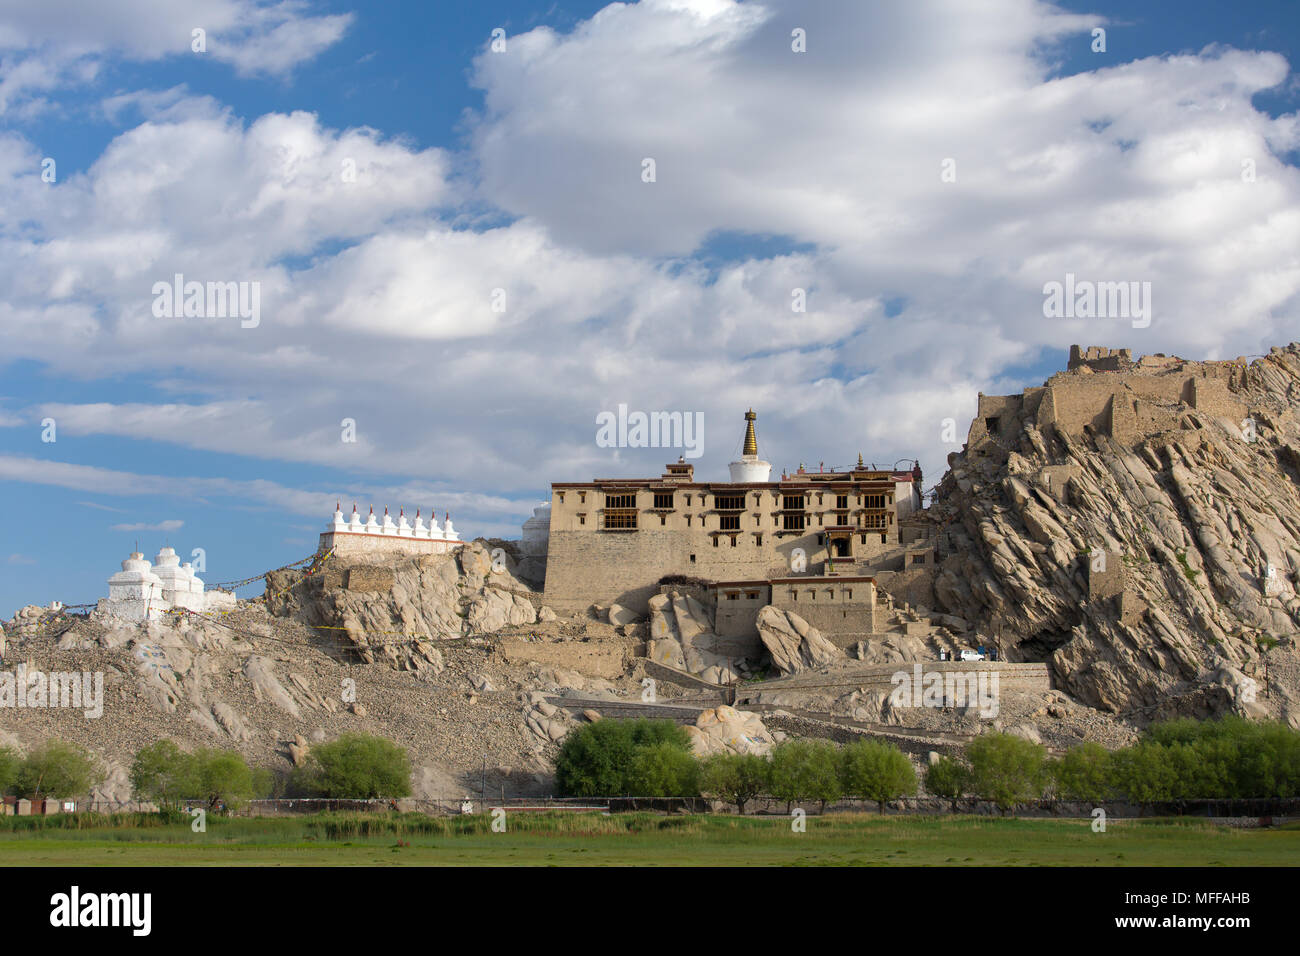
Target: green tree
(596,759)
(736,778)
(949,779)
(222,777)
(356,767)
(10,764)
(1006,769)
(58,769)
(163,774)
(1084,773)
(664,770)
(873,770)
(806,770)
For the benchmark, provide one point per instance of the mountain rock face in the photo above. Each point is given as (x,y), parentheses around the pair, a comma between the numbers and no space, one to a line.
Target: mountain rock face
(1136,524)
(394,612)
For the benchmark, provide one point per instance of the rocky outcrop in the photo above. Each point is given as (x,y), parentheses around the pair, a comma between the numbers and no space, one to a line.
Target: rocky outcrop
(395,612)
(682,636)
(793,643)
(1148,553)
(727,730)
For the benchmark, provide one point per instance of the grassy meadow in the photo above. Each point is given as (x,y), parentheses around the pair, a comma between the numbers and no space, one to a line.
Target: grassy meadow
(638,839)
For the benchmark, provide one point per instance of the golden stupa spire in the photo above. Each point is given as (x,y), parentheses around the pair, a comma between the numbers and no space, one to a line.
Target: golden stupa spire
(860,464)
(751,441)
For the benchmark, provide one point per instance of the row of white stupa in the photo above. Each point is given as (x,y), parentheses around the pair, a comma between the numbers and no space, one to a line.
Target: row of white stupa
(145,592)
(401,527)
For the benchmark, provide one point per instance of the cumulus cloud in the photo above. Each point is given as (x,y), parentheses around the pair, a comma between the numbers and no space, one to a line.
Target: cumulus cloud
(475,356)
(57,43)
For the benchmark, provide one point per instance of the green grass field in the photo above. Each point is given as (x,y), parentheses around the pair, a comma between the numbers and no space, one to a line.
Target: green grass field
(642,839)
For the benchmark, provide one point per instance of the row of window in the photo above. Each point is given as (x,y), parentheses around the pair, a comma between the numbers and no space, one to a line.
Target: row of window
(846,594)
(663,501)
(626,520)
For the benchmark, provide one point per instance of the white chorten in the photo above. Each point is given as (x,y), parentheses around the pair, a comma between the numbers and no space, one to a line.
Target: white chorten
(750,468)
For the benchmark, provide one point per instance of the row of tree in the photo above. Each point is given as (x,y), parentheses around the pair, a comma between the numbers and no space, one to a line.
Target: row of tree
(1232,758)
(652,758)
(355,766)
(55,768)
(352,767)
(1228,759)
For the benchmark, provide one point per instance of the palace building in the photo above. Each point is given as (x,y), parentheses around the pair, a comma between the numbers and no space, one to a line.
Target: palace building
(613,539)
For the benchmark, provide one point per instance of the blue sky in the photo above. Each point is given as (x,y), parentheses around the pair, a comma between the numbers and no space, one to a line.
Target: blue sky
(520,170)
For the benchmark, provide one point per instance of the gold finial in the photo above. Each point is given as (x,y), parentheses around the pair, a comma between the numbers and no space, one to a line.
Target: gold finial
(751,441)
(860,465)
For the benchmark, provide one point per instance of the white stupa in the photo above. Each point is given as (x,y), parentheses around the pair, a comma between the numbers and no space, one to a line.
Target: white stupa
(750,468)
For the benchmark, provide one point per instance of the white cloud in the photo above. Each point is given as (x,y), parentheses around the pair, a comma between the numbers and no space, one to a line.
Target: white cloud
(377,294)
(173,524)
(56,43)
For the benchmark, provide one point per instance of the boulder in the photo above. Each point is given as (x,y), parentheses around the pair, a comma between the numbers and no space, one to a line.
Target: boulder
(793,644)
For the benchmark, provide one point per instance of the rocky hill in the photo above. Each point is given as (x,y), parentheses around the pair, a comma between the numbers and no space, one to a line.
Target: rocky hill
(1136,523)
(1132,524)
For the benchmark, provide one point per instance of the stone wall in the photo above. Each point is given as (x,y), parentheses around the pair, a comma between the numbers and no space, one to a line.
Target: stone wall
(607,658)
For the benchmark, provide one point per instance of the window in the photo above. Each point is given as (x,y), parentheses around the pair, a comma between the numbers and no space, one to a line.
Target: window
(793,522)
(663,500)
(841,501)
(793,502)
(561,496)
(582,497)
(729,502)
(918,559)
(733,540)
(875,501)
(582,519)
(875,521)
(794,595)
(752,595)
(758,540)
(864,539)
(663,519)
(715,541)
(991,425)
(692,559)
(729,522)
(848,594)
(620,512)
(733,596)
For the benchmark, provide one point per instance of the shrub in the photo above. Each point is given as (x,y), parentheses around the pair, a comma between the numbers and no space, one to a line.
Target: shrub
(10,763)
(163,774)
(1084,773)
(166,775)
(949,779)
(806,770)
(736,778)
(596,759)
(58,769)
(1006,769)
(664,770)
(355,767)
(873,770)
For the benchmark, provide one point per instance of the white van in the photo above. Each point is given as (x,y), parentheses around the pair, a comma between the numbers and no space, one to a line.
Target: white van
(968,655)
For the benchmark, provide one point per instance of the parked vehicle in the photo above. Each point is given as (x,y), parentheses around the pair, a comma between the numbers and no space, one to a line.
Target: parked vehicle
(968,655)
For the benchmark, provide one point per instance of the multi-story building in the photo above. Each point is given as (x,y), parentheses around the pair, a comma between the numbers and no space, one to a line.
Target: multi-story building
(612,540)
